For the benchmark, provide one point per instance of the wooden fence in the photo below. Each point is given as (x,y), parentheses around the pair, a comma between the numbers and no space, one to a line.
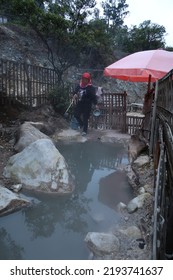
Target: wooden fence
(30,85)
(162,152)
(133,123)
(113,112)
(24,83)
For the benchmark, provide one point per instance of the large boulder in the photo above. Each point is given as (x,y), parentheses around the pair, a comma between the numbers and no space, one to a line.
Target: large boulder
(40,167)
(10,202)
(28,133)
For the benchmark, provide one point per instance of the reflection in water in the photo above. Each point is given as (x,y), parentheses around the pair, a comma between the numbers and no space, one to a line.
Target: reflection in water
(8,249)
(114,188)
(55,226)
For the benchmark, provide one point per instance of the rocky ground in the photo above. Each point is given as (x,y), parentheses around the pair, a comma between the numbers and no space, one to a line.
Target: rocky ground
(10,120)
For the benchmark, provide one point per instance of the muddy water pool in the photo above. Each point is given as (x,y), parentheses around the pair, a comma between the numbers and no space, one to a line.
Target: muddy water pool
(55,227)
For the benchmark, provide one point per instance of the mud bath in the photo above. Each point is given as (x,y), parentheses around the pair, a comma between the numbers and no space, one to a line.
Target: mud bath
(55,227)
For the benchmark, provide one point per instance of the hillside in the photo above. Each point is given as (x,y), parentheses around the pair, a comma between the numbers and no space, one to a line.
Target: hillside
(23,45)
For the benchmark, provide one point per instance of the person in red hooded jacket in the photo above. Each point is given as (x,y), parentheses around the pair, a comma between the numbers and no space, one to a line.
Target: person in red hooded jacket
(85,94)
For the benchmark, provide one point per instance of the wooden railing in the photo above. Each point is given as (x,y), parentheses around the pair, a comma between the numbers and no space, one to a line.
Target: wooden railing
(162,153)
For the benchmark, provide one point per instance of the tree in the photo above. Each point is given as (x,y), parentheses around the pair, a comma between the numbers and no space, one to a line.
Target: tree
(62,26)
(115,11)
(147,36)
(99,44)
(67,43)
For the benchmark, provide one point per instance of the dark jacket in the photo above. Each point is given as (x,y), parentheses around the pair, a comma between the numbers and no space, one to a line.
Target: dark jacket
(86,95)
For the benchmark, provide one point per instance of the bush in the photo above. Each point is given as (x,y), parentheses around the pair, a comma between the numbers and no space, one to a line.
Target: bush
(60,98)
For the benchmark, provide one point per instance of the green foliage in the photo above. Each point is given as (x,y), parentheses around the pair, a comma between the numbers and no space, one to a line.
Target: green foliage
(23,11)
(115,11)
(147,36)
(170,49)
(59,98)
(98,44)
(121,38)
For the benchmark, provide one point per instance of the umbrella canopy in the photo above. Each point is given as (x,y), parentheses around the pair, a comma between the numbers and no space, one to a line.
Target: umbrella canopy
(140,66)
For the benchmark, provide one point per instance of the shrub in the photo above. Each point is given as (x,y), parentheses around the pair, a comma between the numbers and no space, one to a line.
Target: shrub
(60,98)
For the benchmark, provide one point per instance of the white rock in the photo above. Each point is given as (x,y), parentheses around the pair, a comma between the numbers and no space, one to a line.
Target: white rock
(121,206)
(141,161)
(131,232)
(137,202)
(141,190)
(102,243)
(28,134)
(16,188)
(40,167)
(10,202)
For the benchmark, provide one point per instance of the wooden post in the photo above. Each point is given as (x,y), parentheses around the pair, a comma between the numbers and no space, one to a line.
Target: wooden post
(153,119)
(149,83)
